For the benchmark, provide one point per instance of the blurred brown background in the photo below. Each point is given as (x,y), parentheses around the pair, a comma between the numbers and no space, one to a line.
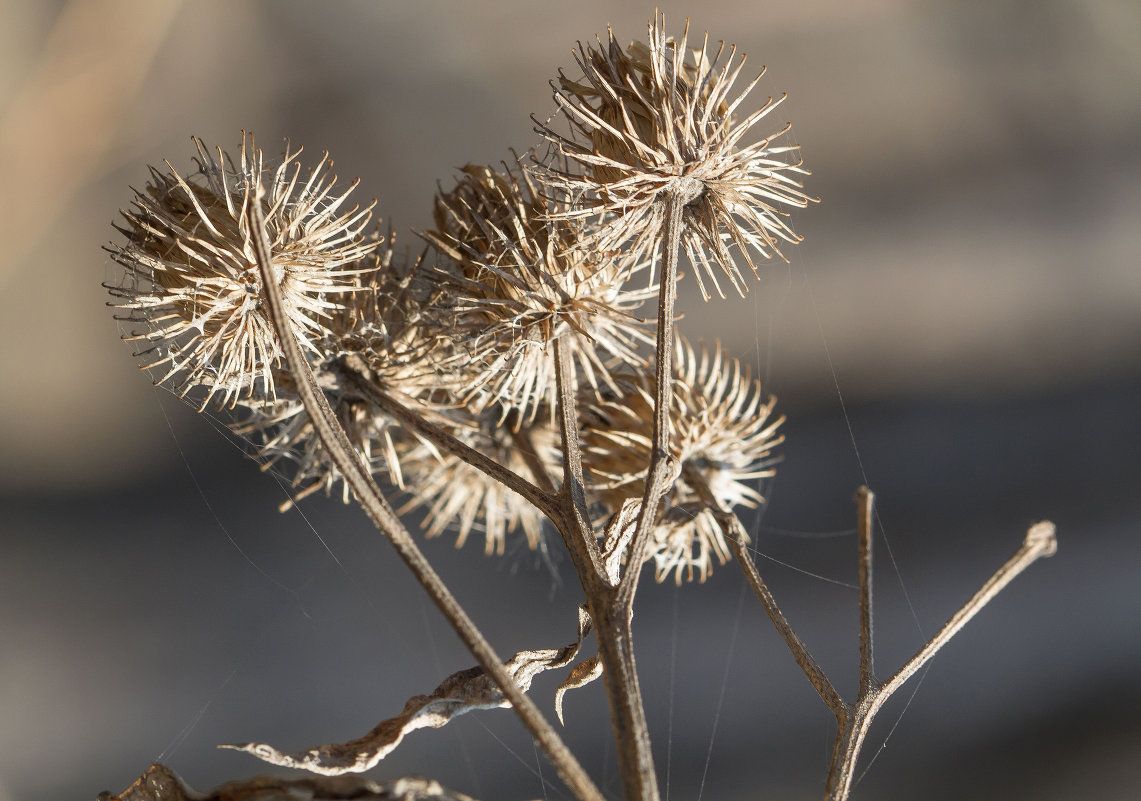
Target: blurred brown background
(969,284)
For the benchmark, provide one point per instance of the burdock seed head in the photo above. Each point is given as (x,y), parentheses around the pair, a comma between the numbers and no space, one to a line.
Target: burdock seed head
(724,437)
(518,282)
(192,291)
(658,118)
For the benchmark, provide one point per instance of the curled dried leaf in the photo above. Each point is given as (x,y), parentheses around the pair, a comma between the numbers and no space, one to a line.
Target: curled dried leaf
(461,692)
(581,675)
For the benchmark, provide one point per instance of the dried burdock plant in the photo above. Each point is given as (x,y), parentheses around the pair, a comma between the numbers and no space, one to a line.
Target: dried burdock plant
(503,382)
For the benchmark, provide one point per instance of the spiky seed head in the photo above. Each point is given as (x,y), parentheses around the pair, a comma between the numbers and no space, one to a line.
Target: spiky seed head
(724,434)
(385,323)
(660,117)
(517,282)
(192,289)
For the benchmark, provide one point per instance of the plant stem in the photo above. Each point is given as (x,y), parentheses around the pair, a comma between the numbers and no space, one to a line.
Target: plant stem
(354,369)
(612,622)
(341,453)
(737,537)
(580,539)
(627,714)
(865,500)
(851,729)
(810,667)
(613,619)
(1040,542)
(660,473)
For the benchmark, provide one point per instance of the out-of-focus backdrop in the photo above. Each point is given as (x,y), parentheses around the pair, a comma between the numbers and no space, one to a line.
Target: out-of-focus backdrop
(961,329)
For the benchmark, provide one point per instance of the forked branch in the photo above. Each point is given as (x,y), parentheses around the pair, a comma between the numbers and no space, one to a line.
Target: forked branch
(854,719)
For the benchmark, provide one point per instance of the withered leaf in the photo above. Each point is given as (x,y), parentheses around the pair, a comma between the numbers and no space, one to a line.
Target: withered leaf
(581,674)
(160,783)
(461,692)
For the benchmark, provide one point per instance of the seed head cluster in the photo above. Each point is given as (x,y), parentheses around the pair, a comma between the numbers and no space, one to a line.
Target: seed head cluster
(542,250)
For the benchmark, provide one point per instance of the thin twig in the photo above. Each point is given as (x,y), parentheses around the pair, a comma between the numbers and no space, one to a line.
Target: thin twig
(1041,542)
(810,667)
(865,500)
(853,727)
(658,474)
(581,541)
(735,533)
(341,453)
(354,369)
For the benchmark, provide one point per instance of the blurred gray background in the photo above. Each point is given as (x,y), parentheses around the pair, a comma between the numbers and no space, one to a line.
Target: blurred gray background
(968,293)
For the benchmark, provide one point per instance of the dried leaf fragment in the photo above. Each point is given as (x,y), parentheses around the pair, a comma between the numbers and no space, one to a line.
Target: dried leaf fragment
(160,783)
(581,675)
(464,691)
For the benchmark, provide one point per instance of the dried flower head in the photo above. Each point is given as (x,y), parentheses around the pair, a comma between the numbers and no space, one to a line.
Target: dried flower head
(659,118)
(192,287)
(517,282)
(724,436)
(457,495)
